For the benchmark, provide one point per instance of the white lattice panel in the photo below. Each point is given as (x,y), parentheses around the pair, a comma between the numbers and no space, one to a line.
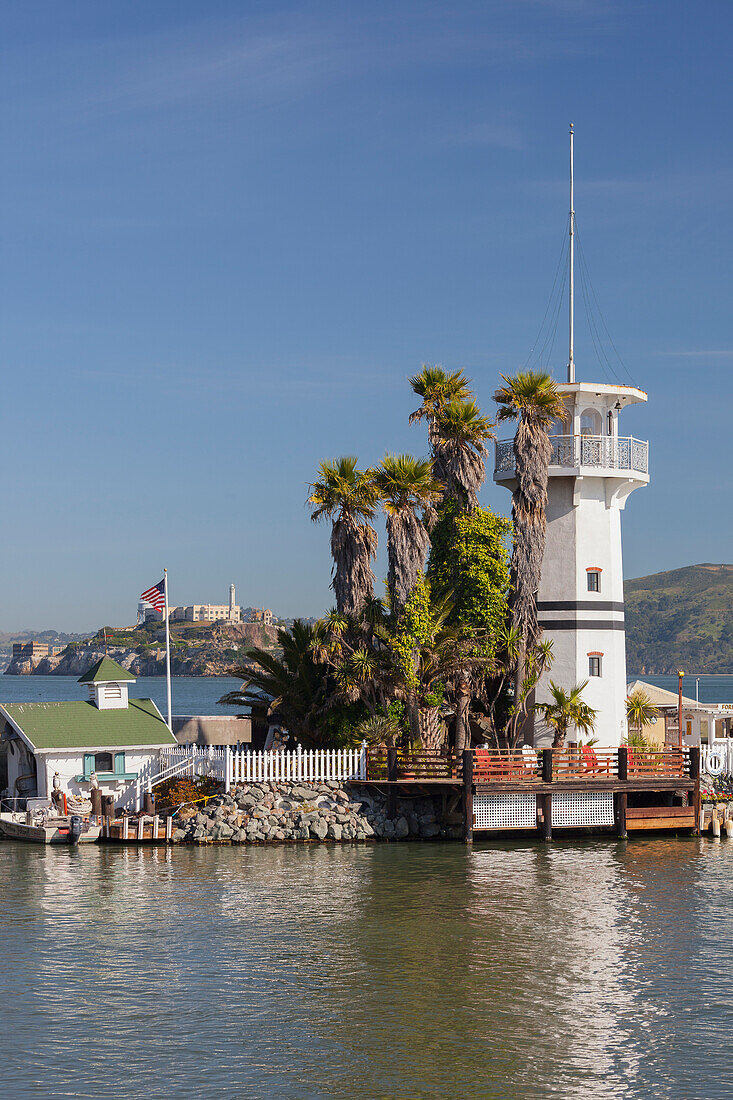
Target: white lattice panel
(504,811)
(582,808)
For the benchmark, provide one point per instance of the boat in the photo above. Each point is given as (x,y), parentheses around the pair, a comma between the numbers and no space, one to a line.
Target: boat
(39,823)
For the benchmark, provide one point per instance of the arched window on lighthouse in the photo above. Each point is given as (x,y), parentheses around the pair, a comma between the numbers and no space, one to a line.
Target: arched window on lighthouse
(594,664)
(590,422)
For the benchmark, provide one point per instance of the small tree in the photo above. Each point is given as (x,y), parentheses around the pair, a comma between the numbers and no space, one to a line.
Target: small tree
(566,709)
(640,710)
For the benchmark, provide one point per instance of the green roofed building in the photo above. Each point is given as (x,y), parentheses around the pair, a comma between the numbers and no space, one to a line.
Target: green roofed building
(118,739)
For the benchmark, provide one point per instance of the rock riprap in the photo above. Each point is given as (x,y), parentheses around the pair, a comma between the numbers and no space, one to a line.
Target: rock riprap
(260,813)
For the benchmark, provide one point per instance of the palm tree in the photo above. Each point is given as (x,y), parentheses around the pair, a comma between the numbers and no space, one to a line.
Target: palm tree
(437,387)
(567,709)
(640,711)
(534,399)
(408,491)
(460,451)
(348,497)
(294,687)
(353,650)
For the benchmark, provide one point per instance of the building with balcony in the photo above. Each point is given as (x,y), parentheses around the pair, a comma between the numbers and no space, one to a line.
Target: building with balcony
(580,603)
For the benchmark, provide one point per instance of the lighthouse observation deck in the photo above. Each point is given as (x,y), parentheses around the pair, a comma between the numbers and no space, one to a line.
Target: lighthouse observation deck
(583,454)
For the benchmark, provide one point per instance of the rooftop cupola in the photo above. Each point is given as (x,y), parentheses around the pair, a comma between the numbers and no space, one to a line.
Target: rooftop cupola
(107,682)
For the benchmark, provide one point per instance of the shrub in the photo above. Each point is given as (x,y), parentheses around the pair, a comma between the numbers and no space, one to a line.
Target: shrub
(183,788)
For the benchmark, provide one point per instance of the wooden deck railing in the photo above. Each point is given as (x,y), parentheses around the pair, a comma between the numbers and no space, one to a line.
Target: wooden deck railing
(669,763)
(398,765)
(506,766)
(579,763)
(530,766)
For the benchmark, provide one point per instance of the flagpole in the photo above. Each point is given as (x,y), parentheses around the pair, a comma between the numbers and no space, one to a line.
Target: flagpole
(167,651)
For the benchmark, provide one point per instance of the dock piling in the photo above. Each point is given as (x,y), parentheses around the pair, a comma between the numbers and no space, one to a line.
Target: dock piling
(621,803)
(623,763)
(546,815)
(391,778)
(468,796)
(547,765)
(695,776)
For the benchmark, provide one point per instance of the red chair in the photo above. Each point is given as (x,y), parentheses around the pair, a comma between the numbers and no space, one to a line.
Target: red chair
(591,764)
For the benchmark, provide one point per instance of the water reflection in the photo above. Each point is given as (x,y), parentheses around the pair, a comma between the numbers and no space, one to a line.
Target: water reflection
(592,969)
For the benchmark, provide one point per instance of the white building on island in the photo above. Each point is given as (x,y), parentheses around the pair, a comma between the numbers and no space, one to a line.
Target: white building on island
(116,737)
(581,598)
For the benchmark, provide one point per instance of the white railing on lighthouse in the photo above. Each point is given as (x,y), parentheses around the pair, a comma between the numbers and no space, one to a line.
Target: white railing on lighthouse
(603,452)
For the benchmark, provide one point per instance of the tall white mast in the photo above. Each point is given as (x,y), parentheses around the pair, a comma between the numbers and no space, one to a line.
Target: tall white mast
(571,363)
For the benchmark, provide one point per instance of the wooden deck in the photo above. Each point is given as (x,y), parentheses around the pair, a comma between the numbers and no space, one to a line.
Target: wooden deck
(640,786)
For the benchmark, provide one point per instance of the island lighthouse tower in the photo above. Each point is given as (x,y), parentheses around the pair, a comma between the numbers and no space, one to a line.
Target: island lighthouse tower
(580,603)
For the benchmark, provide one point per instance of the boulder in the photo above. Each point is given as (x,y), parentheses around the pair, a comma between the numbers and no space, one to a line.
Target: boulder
(334,831)
(302,794)
(401,828)
(318,829)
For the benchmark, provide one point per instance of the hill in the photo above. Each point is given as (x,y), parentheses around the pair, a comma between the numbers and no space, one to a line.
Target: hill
(197,649)
(680,619)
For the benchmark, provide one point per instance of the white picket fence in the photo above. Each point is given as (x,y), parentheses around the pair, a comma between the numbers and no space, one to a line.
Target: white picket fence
(300,765)
(239,766)
(717,759)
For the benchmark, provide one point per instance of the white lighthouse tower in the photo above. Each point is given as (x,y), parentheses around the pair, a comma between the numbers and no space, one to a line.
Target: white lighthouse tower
(581,598)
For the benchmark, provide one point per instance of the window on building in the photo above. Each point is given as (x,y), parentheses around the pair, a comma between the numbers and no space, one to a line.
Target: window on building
(590,422)
(112,691)
(594,666)
(594,580)
(103,762)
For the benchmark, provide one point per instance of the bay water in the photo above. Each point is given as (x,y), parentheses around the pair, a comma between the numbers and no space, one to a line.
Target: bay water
(592,968)
(190,694)
(595,969)
(200,694)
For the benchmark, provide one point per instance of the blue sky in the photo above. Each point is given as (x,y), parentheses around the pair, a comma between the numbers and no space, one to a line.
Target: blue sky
(230,231)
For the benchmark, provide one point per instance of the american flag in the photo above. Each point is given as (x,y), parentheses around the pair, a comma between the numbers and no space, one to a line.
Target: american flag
(155,596)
